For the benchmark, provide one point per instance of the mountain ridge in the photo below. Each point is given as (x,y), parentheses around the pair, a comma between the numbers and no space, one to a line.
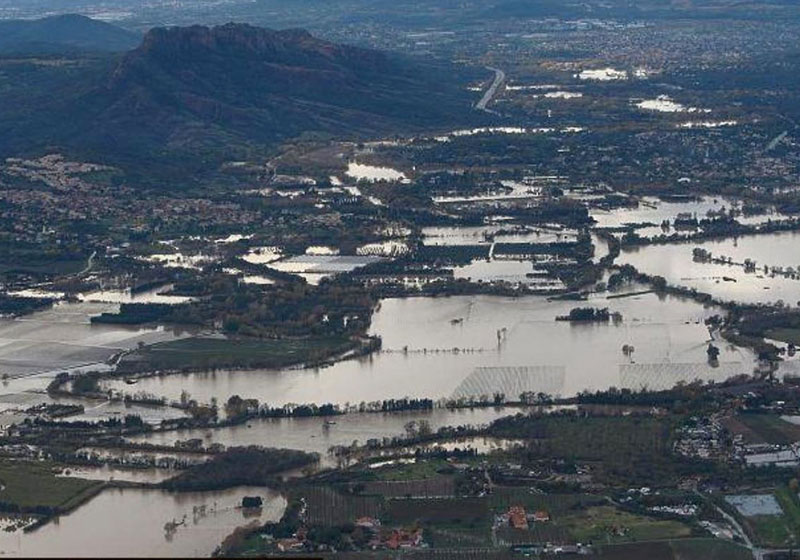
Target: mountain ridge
(64,33)
(188,97)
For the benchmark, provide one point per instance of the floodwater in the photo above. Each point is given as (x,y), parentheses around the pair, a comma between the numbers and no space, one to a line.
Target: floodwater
(313,436)
(479,235)
(653,211)
(675,263)
(374,173)
(155,295)
(64,338)
(108,472)
(34,348)
(128,522)
(518,272)
(441,347)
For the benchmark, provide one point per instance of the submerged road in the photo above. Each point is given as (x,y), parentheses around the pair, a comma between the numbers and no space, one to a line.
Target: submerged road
(499,78)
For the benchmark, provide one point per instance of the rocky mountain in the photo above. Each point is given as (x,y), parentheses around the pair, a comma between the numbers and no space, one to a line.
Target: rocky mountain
(188,98)
(64,33)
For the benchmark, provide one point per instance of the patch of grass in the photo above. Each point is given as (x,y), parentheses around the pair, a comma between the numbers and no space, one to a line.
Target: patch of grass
(607,524)
(32,486)
(208,353)
(771,428)
(421,469)
(771,530)
(785,335)
(791,508)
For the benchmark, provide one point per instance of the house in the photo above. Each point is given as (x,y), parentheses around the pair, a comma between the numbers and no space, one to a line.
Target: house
(517,517)
(541,516)
(369,523)
(400,538)
(287,545)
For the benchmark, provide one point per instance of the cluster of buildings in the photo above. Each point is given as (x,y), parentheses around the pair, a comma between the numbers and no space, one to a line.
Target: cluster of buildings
(517,518)
(703,438)
(392,539)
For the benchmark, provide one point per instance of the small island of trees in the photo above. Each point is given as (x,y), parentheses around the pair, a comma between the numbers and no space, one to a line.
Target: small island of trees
(590,314)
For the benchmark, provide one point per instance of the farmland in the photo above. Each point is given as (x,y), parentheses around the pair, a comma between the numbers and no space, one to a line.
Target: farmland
(34,487)
(329,508)
(210,353)
(764,428)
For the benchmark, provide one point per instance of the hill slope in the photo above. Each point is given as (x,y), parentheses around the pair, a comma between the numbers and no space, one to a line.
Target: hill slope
(64,33)
(188,98)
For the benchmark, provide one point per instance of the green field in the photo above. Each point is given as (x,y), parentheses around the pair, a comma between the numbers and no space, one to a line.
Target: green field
(209,353)
(683,549)
(30,485)
(555,504)
(465,512)
(624,447)
(607,524)
(413,471)
(327,507)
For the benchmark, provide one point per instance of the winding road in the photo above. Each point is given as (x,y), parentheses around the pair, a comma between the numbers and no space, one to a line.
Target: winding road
(499,78)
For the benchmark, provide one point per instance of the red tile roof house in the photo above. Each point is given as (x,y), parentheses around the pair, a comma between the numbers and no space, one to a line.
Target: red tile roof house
(401,538)
(517,517)
(541,516)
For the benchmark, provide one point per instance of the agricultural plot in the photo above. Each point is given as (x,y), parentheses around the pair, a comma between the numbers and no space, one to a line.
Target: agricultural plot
(766,518)
(456,511)
(607,524)
(512,381)
(556,505)
(755,504)
(769,428)
(453,536)
(662,376)
(34,485)
(627,447)
(329,508)
(434,487)
(537,533)
(210,353)
(682,549)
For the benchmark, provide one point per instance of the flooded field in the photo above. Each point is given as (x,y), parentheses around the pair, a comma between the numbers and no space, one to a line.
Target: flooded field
(675,262)
(653,211)
(432,345)
(131,522)
(520,272)
(34,348)
(486,235)
(373,173)
(64,338)
(312,435)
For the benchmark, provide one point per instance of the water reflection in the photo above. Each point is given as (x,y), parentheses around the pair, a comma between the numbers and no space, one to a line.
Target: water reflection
(431,345)
(728,282)
(132,522)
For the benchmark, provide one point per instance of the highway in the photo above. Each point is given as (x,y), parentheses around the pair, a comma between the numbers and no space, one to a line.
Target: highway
(499,78)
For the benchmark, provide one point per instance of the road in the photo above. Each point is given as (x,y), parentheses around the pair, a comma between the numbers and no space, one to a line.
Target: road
(499,78)
(89,264)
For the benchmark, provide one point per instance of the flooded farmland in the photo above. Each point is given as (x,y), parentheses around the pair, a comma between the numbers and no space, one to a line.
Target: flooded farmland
(314,435)
(441,347)
(34,348)
(675,262)
(128,522)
